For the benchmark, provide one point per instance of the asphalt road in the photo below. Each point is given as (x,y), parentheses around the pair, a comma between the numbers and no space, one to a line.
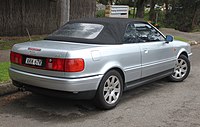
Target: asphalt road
(159,104)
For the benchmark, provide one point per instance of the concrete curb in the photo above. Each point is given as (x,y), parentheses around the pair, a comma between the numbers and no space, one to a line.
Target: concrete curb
(7,88)
(194,42)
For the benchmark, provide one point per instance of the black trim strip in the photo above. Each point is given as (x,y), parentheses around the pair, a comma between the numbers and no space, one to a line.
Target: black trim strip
(138,82)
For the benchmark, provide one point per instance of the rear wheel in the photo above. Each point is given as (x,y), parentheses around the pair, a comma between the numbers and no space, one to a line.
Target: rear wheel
(109,91)
(181,70)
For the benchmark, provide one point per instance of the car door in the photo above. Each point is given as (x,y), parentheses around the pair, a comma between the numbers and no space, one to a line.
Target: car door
(132,59)
(156,54)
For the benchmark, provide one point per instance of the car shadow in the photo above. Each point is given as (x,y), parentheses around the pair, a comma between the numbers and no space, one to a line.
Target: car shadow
(51,109)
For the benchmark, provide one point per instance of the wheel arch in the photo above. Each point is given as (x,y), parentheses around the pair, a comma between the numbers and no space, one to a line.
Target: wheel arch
(100,100)
(118,69)
(182,52)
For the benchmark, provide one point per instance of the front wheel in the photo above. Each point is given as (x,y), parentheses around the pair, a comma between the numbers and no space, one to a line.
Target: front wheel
(181,70)
(109,91)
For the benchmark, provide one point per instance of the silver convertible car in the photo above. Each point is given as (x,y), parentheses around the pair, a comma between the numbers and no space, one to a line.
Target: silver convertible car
(98,59)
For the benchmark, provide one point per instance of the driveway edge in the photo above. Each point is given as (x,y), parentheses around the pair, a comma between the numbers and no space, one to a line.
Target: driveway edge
(7,88)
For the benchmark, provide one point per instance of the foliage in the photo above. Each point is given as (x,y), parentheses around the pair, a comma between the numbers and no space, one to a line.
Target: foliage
(100,13)
(104,2)
(117,2)
(4,76)
(125,2)
(184,15)
(196,29)
(8,42)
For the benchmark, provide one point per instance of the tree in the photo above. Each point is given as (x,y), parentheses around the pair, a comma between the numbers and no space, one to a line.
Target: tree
(140,8)
(166,5)
(152,15)
(123,2)
(106,2)
(184,14)
(196,16)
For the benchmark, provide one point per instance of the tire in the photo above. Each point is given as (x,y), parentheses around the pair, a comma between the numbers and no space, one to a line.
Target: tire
(181,70)
(109,91)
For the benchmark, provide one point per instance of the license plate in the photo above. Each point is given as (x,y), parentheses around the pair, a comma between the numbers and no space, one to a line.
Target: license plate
(34,62)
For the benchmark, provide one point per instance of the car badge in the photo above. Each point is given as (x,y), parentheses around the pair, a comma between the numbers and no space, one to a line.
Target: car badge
(34,49)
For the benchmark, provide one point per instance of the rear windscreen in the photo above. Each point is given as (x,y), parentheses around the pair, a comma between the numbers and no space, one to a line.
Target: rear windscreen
(79,30)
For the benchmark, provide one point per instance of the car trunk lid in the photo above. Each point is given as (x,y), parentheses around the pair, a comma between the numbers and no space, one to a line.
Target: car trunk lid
(37,54)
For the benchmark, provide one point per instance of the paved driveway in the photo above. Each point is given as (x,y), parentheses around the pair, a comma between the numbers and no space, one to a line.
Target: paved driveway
(195,36)
(159,104)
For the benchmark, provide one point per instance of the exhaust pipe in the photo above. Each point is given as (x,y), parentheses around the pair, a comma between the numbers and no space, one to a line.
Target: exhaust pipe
(22,89)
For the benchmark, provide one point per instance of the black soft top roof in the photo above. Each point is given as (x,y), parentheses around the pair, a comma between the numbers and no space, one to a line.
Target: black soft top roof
(112,32)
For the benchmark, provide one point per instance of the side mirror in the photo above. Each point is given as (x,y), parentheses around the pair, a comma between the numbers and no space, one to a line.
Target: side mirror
(169,38)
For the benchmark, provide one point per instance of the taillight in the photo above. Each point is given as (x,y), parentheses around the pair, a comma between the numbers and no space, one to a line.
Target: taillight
(55,64)
(15,58)
(74,65)
(65,65)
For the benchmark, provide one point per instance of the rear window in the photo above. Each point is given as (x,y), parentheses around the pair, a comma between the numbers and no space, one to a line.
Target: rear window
(79,30)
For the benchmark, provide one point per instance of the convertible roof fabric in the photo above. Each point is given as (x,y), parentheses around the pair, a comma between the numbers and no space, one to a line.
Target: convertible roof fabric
(112,32)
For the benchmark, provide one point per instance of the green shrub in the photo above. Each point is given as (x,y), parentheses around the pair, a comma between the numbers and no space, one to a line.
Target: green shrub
(100,13)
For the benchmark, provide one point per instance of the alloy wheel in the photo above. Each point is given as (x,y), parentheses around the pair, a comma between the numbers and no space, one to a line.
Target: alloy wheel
(112,89)
(180,69)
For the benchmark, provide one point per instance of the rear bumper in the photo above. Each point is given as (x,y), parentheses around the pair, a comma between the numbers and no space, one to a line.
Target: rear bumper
(55,93)
(54,83)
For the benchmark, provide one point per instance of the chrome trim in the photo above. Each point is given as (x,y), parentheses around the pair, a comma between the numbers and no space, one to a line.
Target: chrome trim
(189,54)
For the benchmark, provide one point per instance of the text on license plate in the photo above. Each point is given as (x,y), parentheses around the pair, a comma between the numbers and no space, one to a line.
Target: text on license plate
(32,61)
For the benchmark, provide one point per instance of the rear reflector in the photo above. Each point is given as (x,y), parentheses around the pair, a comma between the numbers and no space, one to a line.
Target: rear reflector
(15,58)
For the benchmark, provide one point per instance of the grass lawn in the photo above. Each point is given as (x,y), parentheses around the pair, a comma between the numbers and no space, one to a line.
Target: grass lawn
(4,76)
(8,42)
(180,39)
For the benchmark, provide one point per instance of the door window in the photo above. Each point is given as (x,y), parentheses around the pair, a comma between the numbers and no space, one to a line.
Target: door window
(141,32)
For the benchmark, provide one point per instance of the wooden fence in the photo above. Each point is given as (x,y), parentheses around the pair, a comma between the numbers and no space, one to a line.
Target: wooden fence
(82,8)
(38,16)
